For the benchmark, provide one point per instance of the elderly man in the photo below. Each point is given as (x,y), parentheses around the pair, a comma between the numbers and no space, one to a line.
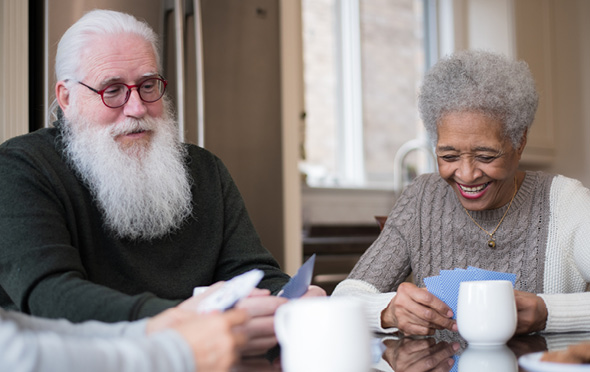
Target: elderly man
(107,216)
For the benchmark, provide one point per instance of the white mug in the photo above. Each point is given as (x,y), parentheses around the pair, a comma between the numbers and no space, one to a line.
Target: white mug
(323,334)
(488,359)
(486,312)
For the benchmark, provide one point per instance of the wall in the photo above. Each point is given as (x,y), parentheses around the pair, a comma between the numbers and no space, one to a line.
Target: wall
(572,88)
(242,84)
(552,36)
(292,109)
(14,89)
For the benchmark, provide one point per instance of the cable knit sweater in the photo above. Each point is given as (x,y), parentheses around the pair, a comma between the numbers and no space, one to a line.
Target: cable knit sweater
(544,240)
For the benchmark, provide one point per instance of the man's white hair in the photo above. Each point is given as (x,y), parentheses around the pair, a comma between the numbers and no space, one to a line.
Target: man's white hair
(95,23)
(78,38)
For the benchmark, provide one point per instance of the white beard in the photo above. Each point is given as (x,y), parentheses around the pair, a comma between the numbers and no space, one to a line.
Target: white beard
(144,190)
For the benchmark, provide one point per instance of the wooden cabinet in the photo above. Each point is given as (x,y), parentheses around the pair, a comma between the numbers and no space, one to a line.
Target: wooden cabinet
(337,249)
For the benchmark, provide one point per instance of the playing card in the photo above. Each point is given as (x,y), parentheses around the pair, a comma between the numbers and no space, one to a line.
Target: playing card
(433,285)
(231,292)
(445,286)
(298,284)
(492,275)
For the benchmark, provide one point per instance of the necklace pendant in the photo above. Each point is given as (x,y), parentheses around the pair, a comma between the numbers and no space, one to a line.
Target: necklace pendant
(492,243)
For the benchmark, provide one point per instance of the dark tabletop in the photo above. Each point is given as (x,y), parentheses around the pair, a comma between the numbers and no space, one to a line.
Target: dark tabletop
(441,352)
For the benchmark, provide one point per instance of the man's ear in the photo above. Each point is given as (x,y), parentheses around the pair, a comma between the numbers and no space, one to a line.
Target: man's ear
(62,95)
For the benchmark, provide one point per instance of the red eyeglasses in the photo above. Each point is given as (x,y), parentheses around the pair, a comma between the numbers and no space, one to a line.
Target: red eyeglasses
(117,94)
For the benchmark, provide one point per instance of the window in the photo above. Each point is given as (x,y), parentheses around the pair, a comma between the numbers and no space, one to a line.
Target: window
(363,63)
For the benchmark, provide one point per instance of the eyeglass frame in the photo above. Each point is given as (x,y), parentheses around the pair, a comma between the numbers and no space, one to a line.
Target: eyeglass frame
(129,87)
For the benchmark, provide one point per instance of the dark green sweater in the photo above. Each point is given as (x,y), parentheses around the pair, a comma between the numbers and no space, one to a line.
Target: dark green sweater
(57,260)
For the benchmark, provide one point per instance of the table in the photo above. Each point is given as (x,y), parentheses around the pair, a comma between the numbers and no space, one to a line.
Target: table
(421,354)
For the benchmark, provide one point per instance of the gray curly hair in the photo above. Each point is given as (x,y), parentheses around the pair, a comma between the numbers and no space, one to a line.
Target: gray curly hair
(480,81)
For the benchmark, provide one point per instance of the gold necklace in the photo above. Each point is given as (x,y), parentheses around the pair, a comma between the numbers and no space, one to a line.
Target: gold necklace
(492,241)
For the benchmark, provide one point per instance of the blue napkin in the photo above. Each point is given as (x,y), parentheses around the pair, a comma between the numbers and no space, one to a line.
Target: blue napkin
(446,285)
(298,284)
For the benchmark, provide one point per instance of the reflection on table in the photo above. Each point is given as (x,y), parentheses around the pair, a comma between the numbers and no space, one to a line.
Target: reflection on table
(445,351)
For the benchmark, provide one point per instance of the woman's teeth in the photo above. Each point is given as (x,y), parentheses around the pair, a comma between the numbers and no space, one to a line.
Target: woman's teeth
(477,188)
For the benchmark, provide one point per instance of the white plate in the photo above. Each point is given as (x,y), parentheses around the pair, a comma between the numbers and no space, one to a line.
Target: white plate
(532,362)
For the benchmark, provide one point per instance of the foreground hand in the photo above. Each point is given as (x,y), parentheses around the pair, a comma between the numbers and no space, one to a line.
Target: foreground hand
(415,311)
(215,338)
(169,319)
(261,307)
(192,303)
(420,355)
(532,312)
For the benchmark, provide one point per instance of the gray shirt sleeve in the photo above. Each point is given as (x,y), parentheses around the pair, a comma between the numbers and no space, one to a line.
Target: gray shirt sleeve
(30,344)
(86,329)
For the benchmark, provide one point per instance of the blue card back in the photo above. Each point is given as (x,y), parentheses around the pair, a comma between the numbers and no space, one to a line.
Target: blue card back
(298,284)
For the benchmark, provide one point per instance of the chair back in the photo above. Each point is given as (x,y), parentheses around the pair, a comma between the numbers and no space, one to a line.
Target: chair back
(381,221)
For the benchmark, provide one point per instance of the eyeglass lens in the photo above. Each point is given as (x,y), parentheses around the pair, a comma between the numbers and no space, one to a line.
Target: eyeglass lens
(150,90)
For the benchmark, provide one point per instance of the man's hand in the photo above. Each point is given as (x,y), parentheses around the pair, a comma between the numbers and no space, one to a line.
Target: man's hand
(415,311)
(314,291)
(532,312)
(261,307)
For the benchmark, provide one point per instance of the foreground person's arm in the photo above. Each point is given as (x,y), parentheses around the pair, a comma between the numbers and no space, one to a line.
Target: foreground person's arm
(203,343)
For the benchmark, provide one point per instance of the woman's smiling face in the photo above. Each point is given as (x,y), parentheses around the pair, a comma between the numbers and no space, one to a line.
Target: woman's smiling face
(477,159)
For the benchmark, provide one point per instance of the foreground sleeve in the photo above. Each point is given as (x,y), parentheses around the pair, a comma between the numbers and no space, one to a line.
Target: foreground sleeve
(22,349)
(89,328)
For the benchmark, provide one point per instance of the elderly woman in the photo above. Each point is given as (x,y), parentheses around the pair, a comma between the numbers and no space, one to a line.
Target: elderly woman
(480,209)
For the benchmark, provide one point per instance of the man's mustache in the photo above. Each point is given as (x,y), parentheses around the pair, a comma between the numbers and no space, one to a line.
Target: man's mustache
(130,126)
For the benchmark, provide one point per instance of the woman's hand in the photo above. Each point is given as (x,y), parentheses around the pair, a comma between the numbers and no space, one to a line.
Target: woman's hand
(415,311)
(532,312)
